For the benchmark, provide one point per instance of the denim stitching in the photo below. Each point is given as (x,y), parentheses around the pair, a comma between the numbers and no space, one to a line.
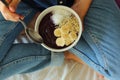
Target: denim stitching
(90,62)
(21,60)
(96,41)
(97,66)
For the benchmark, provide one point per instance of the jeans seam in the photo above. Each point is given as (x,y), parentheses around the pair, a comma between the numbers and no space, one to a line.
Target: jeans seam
(21,60)
(96,41)
(90,62)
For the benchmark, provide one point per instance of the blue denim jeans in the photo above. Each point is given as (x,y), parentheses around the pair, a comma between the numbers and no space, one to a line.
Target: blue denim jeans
(22,58)
(98,46)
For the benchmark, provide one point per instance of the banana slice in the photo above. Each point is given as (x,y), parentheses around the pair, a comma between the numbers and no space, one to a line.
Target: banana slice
(68,42)
(60,41)
(67,38)
(72,28)
(65,29)
(57,32)
(73,35)
(64,35)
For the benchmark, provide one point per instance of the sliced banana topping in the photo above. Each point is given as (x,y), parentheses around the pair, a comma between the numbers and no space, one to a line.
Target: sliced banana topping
(57,32)
(68,41)
(73,35)
(60,41)
(67,32)
(65,29)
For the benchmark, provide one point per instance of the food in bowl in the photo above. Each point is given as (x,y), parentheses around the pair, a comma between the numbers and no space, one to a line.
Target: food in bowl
(59,28)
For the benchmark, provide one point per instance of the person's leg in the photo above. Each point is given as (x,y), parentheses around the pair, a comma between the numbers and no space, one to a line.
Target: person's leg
(99,47)
(10,30)
(21,58)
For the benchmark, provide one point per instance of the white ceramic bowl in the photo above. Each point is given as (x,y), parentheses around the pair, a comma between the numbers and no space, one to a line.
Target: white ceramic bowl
(50,9)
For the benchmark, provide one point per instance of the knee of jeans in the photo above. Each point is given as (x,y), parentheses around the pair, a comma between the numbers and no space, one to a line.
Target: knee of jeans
(23,65)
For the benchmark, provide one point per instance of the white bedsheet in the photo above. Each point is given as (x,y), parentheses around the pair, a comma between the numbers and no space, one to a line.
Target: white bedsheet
(70,70)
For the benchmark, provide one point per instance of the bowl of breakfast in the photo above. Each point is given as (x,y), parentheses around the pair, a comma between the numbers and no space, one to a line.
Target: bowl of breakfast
(60,28)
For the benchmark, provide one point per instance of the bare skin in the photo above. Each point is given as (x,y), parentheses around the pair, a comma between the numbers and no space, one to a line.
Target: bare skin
(9,12)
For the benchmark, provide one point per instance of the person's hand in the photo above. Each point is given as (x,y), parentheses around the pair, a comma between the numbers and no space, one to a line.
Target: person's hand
(9,12)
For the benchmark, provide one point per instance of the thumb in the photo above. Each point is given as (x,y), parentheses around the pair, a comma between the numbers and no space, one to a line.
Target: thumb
(13,5)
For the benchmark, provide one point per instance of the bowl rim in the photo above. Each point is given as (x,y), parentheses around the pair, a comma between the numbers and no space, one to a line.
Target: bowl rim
(44,12)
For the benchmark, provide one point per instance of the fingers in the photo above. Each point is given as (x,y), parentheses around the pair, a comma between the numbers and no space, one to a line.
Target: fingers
(13,5)
(8,15)
(11,16)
